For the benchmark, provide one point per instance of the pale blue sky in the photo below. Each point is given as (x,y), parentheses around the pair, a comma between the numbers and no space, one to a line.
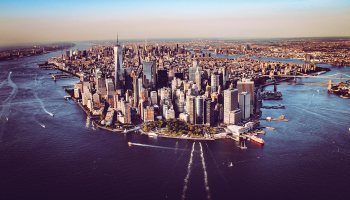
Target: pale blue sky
(41,21)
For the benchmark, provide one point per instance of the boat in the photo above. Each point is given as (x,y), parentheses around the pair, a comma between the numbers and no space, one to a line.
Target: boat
(129,144)
(230,165)
(257,139)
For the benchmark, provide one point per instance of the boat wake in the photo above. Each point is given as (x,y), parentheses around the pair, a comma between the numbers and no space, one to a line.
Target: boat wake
(207,189)
(39,123)
(189,169)
(5,111)
(42,105)
(150,146)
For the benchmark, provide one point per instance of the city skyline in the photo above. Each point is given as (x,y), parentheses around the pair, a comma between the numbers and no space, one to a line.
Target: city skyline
(40,21)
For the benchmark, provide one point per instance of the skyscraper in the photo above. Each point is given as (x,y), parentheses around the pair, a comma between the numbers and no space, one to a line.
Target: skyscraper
(190,108)
(209,112)
(162,78)
(246,85)
(214,82)
(244,104)
(198,79)
(199,110)
(118,63)
(230,103)
(149,74)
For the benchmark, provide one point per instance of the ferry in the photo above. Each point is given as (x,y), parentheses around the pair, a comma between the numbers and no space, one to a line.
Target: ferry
(257,139)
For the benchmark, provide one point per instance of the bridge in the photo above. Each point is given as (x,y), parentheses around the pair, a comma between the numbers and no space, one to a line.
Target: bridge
(337,76)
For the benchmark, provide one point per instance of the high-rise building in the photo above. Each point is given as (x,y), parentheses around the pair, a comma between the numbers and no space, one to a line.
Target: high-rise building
(244,104)
(198,79)
(235,116)
(214,81)
(199,110)
(230,103)
(246,85)
(190,108)
(162,78)
(209,112)
(154,97)
(136,91)
(100,83)
(149,74)
(110,87)
(118,64)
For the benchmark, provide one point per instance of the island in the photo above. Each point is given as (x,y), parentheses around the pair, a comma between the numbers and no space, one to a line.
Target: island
(196,90)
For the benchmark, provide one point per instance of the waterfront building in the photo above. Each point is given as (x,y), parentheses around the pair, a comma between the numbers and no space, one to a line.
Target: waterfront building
(230,103)
(199,104)
(246,85)
(209,112)
(190,108)
(244,104)
(235,116)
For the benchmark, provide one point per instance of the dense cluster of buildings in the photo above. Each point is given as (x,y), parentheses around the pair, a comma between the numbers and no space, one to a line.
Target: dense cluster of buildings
(143,83)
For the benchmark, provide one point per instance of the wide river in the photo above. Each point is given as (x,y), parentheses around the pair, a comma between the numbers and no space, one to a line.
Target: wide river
(63,157)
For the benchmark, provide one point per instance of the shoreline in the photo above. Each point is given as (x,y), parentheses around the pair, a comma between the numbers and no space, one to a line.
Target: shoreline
(318,71)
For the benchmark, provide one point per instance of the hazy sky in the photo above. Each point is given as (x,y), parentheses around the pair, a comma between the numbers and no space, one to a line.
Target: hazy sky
(24,21)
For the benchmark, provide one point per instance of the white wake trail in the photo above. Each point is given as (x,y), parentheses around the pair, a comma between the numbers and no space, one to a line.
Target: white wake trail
(207,189)
(42,105)
(151,146)
(189,169)
(7,104)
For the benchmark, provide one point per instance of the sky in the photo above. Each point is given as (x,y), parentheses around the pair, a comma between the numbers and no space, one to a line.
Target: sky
(28,21)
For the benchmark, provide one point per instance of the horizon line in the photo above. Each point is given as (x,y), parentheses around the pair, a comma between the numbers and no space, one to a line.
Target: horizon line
(174,38)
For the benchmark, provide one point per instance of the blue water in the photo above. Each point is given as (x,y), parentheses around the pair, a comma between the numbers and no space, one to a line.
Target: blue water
(305,158)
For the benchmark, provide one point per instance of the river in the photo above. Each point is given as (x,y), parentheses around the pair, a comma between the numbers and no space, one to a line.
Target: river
(63,157)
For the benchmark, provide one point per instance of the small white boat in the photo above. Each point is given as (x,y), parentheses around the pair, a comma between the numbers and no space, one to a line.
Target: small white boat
(230,165)
(129,144)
